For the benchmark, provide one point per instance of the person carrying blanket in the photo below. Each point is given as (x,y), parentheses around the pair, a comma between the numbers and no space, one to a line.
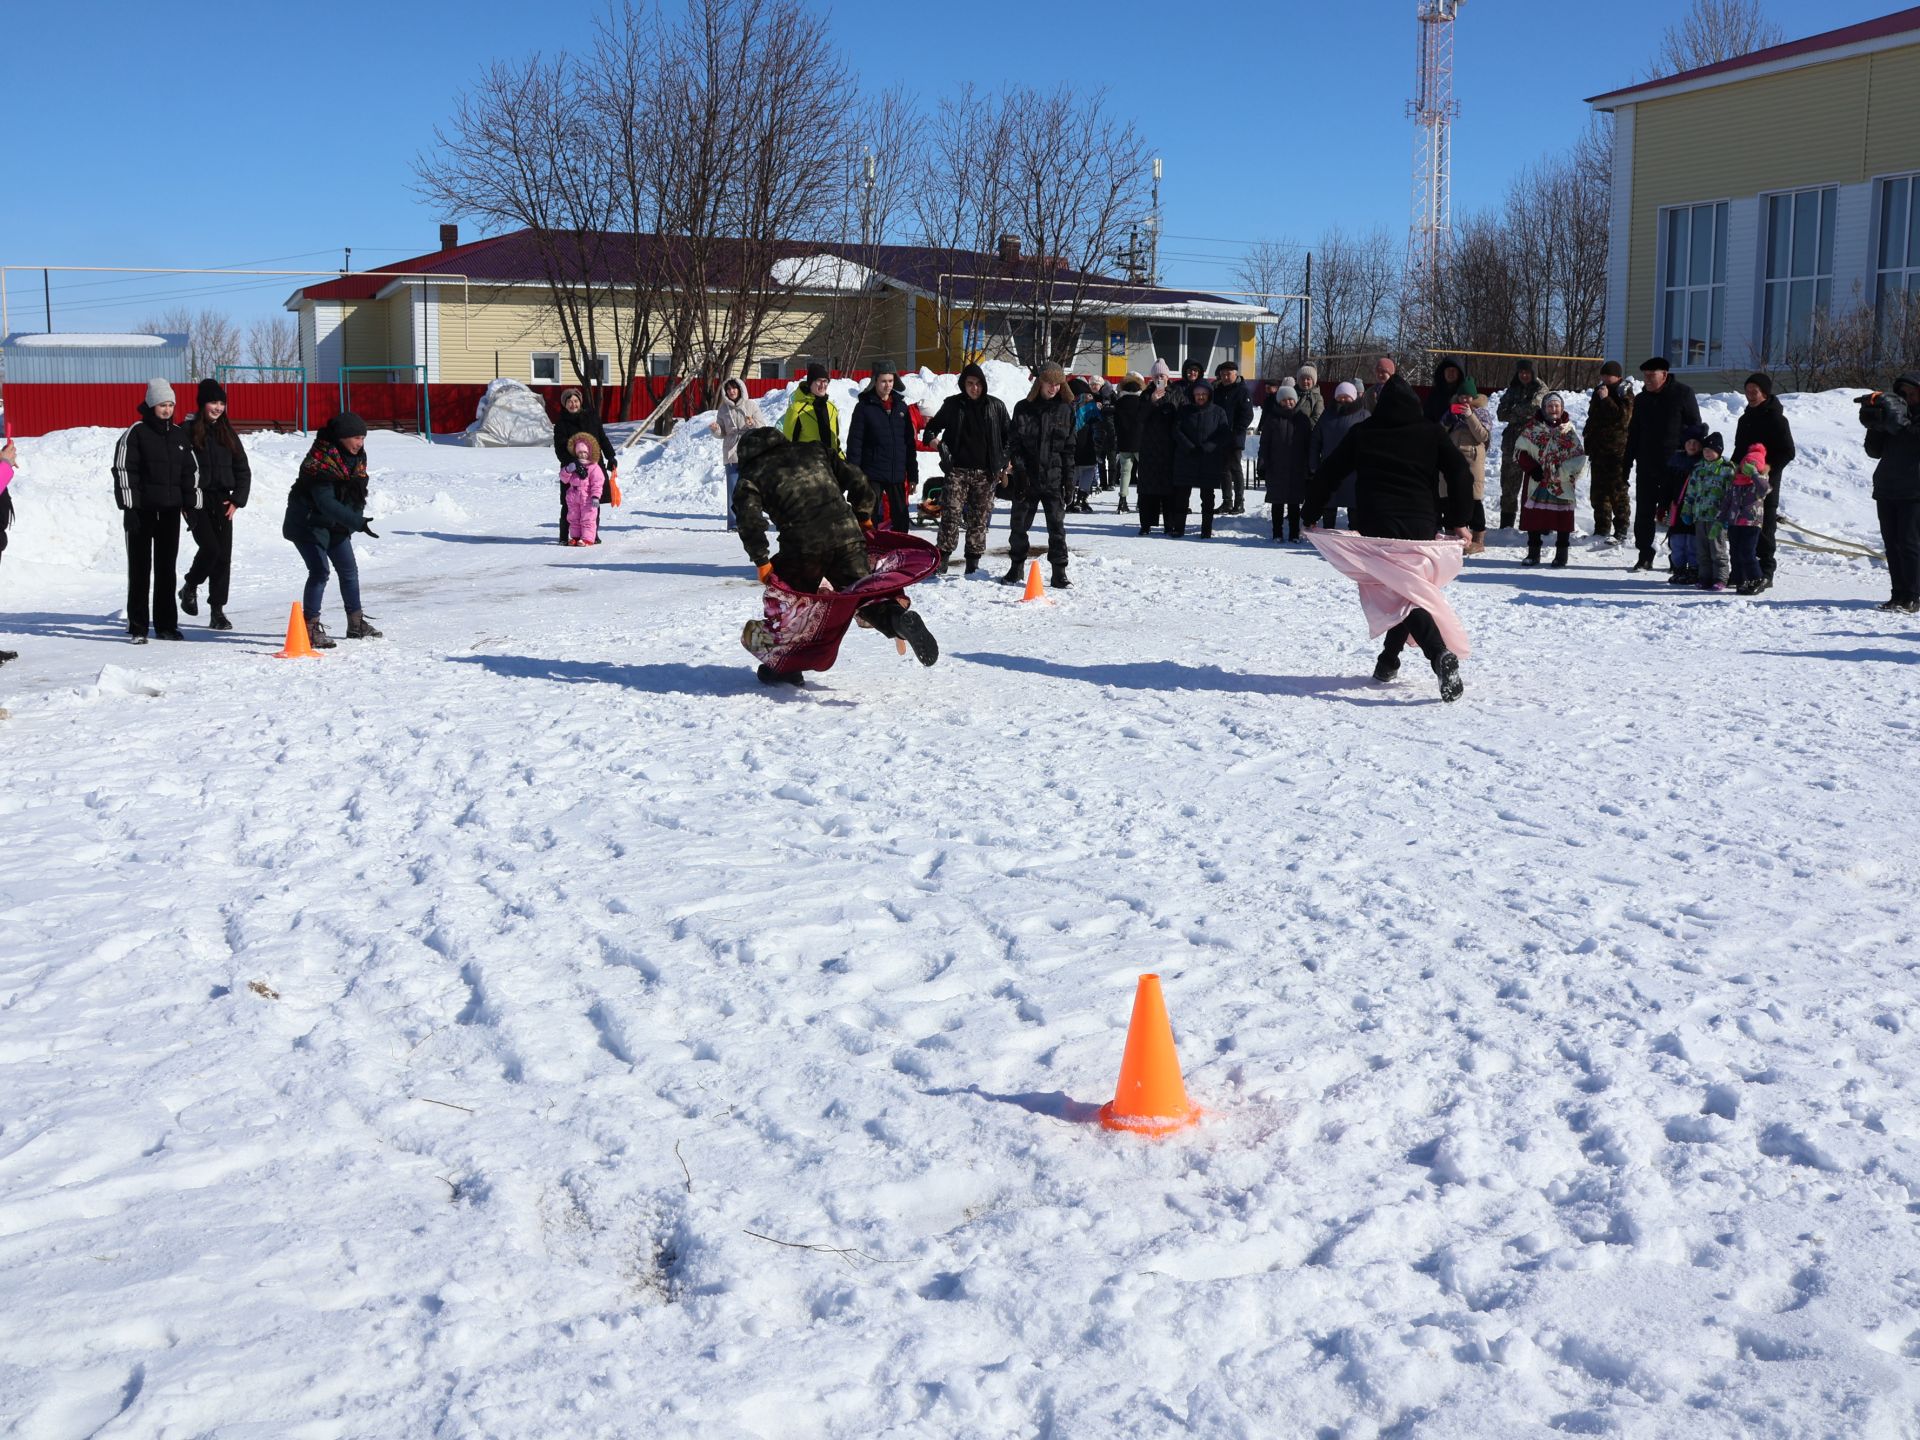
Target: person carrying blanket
(1398,460)
(823,508)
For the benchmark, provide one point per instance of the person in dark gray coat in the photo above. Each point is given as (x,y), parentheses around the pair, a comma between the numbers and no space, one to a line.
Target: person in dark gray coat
(1285,437)
(1893,438)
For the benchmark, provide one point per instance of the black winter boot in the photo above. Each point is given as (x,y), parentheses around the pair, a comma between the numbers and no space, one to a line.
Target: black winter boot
(1533,549)
(1060,581)
(1560,552)
(911,628)
(1447,668)
(6,655)
(1013,575)
(973,563)
(188,601)
(219,620)
(1386,667)
(768,676)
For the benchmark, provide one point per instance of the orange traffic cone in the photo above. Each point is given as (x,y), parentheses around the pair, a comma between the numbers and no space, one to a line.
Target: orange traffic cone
(1151,1098)
(297,647)
(1035,590)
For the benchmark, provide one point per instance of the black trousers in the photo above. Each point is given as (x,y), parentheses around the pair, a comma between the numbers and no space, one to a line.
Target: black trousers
(1420,627)
(153,551)
(1021,519)
(896,494)
(1900,535)
(1286,521)
(213,559)
(1650,502)
(1769,524)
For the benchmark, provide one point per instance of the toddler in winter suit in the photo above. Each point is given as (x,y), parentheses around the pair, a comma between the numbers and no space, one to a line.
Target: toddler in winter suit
(1742,512)
(1703,507)
(584,481)
(1681,547)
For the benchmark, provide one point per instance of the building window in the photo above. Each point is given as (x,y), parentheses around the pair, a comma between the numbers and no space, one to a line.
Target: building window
(659,366)
(769,369)
(545,367)
(1897,265)
(1799,268)
(1694,289)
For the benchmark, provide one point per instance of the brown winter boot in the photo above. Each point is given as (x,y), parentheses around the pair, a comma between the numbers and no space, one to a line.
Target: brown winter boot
(358,627)
(317,636)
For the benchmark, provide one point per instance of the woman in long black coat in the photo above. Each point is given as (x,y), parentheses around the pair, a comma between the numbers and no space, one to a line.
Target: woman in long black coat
(1203,448)
(575,419)
(1285,433)
(1153,471)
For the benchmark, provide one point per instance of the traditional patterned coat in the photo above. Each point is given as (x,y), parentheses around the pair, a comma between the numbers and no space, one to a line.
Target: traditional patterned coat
(1552,458)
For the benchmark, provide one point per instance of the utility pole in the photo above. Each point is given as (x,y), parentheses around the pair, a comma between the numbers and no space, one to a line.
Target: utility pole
(346,261)
(1306,308)
(1433,110)
(46,292)
(1153,228)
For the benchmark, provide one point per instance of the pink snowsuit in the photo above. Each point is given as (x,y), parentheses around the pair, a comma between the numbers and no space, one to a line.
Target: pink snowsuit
(584,483)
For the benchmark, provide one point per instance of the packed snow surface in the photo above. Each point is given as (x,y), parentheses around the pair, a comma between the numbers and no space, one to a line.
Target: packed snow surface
(527,1025)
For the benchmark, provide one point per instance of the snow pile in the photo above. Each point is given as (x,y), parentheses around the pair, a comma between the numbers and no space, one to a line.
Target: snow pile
(510,414)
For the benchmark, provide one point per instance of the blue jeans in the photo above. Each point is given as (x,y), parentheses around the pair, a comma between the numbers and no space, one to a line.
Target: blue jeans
(1684,547)
(733,479)
(339,550)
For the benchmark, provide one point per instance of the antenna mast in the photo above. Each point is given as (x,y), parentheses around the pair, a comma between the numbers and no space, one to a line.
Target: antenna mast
(1433,110)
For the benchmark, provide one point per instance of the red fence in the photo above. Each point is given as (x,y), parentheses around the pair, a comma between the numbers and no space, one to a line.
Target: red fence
(38,409)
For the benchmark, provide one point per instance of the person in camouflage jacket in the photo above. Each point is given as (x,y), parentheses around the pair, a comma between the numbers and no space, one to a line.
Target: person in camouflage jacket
(1706,499)
(1608,414)
(1519,403)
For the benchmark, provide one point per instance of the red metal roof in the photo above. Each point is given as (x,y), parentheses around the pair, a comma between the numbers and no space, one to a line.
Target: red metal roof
(515,258)
(1899,23)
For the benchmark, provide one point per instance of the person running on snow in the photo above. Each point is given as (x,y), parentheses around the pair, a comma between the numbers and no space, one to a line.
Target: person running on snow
(226,480)
(971,430)
(576,419)
(1041,448)
(1399,459)
(583,480)
(823,509)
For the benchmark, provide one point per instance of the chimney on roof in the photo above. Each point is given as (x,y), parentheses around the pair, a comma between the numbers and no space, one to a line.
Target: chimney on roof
(449,237)
(1010,250)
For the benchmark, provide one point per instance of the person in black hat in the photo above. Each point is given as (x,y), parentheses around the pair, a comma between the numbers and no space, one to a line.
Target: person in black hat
(1764,423)
(812,418)
(326,507)
(1230,393)
(1663,409)
(226,480)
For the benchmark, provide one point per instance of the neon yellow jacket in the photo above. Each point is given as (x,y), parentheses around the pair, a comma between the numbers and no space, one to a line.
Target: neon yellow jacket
(802,425)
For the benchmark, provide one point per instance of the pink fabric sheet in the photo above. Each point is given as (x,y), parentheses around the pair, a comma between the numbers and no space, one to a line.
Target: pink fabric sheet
(1395,577)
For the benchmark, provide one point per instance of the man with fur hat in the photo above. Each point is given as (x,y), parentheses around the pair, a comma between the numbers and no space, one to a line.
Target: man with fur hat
(1609,412)
(823,508)
(154,481)
(1663,409)
(1231,395)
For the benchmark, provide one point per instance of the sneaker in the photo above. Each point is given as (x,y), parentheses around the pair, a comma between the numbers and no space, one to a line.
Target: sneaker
(911,628)
(1719,587)
(1764,584)
(1386,667)
(1447,667)
(1895,606)
(141,639)
(189,602)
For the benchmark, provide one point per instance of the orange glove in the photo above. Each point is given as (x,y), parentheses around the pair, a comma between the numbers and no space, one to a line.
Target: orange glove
(866,527)
(614,481)
(766,572)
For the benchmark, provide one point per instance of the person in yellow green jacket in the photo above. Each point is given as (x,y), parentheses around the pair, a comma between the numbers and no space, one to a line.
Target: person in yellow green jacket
(811,418)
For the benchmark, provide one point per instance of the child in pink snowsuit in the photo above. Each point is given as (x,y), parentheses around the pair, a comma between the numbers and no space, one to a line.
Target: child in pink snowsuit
(584,480)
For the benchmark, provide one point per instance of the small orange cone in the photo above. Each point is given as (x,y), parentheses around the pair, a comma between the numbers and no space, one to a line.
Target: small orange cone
(297,647)
(1035,590)
(1151,1098)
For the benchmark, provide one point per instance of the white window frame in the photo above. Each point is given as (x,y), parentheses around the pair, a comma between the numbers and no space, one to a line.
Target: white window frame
(1710,290)
(533,367)
(770,367)
(603,362)
(1776,291)
(1902,278)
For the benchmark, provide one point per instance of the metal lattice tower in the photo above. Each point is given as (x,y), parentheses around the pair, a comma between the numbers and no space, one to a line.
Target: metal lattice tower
(1432,109)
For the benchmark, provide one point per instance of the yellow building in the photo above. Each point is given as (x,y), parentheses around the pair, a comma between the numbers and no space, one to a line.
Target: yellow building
(473,312)
(1751,195)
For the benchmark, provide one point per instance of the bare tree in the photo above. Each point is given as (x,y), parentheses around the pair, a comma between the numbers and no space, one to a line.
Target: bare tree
(213,339)
(1276,267)
(884,152)
(958,203)
(1356,291)
(1712,31)
(273,340)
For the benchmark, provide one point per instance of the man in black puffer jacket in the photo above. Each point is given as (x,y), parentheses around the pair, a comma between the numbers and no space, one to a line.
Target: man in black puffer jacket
(1893,438)
(1236,403)
(154,481)
(1041,449)
(1398,459)
(1764,423)
(1665,407)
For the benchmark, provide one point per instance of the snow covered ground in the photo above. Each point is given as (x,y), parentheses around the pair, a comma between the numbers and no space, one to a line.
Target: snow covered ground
(529,1026)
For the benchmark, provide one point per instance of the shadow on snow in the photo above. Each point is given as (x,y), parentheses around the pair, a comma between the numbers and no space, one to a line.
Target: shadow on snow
(654,679)
(1169,675)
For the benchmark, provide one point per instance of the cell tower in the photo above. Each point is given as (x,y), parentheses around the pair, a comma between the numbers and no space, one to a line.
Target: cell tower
(1433,109)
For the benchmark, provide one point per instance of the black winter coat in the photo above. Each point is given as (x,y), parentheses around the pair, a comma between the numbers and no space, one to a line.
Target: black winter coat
(1237,404)
(1327,435)
(153,467)
(1893,438)
(226,477)
(1398,458)
(1041,445)
(570,425)
(1153,472)
(971,434)
(1765,424)
(1654,431)
(880,440)
(1440,395)
(1202,447)
(1129,415)
(1285,438)
(328,497)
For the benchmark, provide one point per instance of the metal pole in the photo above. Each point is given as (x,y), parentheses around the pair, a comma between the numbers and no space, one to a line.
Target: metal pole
(1306,307)
(46,289)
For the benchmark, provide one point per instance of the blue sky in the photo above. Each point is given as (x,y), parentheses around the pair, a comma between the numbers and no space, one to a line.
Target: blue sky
(281,138)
